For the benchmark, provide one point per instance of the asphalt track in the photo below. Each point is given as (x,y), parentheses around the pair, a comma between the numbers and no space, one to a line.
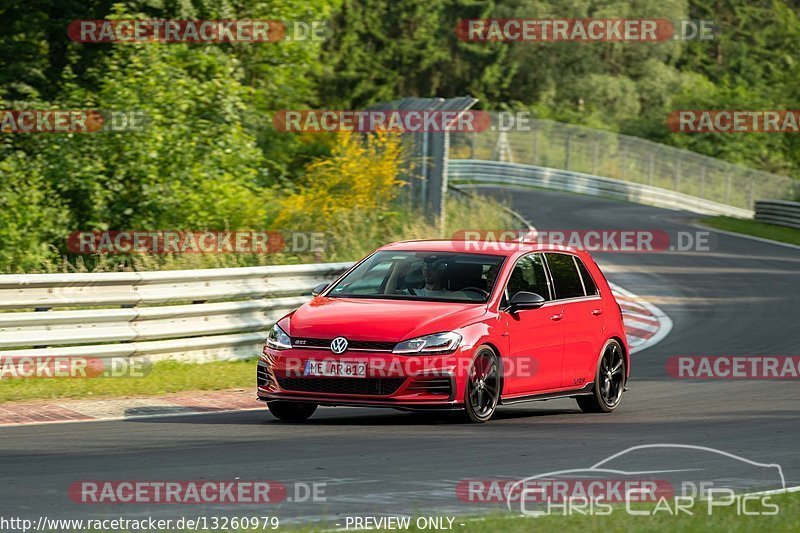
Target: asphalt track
(740,298)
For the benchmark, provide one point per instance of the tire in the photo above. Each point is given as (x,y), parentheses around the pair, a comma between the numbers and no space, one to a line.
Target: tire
(482,392)
(291,411)
(609,381)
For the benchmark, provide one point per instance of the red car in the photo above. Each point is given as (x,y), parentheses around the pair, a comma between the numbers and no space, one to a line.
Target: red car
(454,325)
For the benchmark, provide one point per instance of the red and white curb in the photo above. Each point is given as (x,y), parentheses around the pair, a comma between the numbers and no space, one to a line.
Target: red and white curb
(181,404)
(645,324)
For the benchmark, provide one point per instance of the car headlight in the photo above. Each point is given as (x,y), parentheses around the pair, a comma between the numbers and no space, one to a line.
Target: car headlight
(436,343)
(278,339)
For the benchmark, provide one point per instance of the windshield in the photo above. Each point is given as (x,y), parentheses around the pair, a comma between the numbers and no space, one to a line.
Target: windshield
(456,277)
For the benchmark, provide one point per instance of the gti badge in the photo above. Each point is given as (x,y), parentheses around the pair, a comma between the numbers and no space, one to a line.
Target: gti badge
(339,345)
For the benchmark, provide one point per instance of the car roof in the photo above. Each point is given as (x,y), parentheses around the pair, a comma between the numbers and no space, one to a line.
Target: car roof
(505,248)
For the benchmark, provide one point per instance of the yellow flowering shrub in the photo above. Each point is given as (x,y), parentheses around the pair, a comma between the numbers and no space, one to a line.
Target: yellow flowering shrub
(362,175)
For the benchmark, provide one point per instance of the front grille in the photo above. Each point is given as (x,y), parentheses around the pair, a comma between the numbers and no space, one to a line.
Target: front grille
(375,346)
(432,385)
(371,345)
(373,386)
(263,378)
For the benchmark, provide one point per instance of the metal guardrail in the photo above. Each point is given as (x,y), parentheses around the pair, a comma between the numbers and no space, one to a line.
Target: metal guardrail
(779,212)
(603,153)
(194,315)
(466,173)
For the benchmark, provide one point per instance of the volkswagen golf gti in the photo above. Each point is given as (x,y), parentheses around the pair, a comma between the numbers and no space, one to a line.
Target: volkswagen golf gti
(451,325)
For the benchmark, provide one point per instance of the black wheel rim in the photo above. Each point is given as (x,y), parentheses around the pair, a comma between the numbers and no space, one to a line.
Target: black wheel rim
(484,385)
(612,375)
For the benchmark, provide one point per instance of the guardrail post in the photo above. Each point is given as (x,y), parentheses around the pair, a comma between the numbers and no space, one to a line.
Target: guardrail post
(41,310)
(437,179)
(423,188)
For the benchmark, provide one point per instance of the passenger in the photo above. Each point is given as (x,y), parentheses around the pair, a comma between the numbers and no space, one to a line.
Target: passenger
(491,277)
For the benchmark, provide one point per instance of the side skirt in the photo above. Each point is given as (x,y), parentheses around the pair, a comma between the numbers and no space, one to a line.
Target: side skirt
(583,391)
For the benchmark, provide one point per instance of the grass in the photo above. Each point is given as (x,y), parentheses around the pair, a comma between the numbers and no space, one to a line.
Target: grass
(754,228)
(163,378)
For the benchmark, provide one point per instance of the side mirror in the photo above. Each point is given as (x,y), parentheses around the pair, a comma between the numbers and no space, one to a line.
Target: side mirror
(526,300)
(316,291)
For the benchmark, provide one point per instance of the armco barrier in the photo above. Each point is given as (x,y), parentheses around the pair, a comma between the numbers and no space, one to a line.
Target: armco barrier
(189,314)
(780,212)
(466,173)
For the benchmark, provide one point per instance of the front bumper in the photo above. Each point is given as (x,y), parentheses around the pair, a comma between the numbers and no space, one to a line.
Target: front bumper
(400,382)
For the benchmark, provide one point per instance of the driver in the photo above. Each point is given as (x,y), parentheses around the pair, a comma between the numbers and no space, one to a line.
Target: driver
(433,270)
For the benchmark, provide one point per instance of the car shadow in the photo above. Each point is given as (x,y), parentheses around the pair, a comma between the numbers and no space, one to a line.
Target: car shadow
(348,417)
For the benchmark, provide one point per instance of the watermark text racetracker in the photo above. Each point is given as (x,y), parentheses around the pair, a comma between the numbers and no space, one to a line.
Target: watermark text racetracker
(734,121)
(525,365)
(195,31)
(593,240)
(399,121)
(583,30)
(195,492)
(734,367)
(42,367)
(71,120)
(195,242)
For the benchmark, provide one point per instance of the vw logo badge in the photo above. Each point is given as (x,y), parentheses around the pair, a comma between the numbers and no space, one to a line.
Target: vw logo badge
(339,345)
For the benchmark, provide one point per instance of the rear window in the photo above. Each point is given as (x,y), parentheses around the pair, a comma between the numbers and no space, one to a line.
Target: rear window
(566,279)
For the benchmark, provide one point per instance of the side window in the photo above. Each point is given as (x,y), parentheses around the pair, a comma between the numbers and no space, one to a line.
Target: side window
(529,276)
(588,282)
(566,279)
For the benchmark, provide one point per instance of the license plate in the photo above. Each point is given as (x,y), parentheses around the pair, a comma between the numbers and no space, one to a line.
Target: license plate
(339,369)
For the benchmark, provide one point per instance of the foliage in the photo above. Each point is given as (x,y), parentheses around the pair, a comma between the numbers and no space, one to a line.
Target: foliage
(387,49)
(208,157)
(359,176)
(31,214)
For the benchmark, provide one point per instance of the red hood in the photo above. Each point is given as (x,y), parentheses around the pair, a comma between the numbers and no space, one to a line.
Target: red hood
(379,320)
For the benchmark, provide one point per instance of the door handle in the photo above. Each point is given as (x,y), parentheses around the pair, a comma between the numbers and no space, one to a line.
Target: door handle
(559,316)
(597,312)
